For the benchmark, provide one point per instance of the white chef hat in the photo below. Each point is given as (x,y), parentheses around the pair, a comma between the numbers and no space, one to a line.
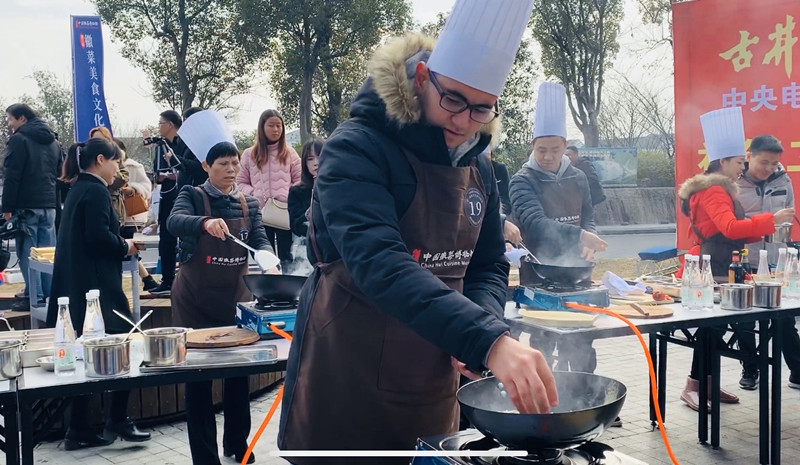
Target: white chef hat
(203,130)
(551,111)
(723,131)
(479,42)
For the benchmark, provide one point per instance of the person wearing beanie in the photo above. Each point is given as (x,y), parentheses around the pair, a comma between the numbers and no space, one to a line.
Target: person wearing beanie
(405,232)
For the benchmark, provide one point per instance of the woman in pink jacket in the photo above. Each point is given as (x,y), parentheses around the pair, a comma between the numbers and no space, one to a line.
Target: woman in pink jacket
(269,168)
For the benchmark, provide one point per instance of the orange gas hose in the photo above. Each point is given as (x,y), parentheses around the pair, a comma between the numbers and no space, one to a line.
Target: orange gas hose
(653,385)
(272,408)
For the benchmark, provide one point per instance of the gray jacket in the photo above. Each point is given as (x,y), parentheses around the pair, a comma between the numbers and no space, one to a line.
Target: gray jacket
(774,194)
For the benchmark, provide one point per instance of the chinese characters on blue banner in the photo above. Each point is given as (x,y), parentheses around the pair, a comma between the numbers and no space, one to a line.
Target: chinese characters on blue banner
(89,100)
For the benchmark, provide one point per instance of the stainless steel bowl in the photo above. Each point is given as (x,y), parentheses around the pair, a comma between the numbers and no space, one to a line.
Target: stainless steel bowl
(10,362)
(164,346)
(736,296)
(107,357)
(782,234)
(767,295)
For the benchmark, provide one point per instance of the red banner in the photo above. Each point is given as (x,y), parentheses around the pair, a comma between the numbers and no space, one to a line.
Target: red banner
(735,53)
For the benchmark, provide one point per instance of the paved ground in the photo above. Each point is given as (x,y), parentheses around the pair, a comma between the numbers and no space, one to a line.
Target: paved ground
(621,358)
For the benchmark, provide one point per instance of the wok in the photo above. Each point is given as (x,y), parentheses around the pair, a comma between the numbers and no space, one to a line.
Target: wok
(588,404)
(274,287)
(564,275)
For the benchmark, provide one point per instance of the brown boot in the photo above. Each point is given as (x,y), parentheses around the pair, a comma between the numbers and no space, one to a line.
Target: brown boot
(691,395)
(724,396)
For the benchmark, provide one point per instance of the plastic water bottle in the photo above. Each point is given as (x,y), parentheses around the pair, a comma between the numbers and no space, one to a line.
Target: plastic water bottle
(792,275)
(763,266)
(696,300)
(93,324)
(64,353)
(780,268)
(686,281)
(707,301)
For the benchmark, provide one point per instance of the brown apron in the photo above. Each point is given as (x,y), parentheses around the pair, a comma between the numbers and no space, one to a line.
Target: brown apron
(720,247)
(364,379)
(209,284)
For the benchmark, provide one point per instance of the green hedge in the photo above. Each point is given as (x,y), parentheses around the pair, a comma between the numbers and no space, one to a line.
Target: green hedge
(655,169)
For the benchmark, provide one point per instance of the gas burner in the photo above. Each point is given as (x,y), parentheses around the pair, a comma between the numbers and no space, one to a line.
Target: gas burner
(273,305)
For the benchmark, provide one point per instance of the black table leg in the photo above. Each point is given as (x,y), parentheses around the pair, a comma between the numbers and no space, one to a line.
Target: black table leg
(10,424)
(713,358)
(777,351)
(701,346)
(654,357)
(26,426)
(662,377)
(763,391)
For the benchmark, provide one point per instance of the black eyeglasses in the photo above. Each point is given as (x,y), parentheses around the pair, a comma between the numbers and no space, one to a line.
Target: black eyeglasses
(455,104)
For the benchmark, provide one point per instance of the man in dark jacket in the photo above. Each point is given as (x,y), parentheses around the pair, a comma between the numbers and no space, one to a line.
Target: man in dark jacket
(405,229)
(551,201)
(586,166)
(29,191)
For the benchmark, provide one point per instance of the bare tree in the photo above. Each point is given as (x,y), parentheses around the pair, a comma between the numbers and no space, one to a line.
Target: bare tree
(579,41)
(658,12)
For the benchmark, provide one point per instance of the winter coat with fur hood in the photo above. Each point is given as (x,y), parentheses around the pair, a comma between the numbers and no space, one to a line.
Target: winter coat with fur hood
(364,187)
(708,201)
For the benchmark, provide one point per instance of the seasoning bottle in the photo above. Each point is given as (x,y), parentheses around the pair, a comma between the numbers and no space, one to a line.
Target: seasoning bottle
(748,271)
(736,270)
(763,266)
(93,324)
(64,353)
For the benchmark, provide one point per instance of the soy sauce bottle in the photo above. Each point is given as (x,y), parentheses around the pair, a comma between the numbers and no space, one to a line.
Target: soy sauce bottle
(736,271)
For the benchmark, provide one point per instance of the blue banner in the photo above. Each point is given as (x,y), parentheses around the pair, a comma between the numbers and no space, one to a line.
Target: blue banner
(89,101)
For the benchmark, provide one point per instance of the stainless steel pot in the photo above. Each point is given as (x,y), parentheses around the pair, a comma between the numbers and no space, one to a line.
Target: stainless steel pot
(736,296)
(107,357)
(782,234)
(767,295)
(164,346)
(10,362)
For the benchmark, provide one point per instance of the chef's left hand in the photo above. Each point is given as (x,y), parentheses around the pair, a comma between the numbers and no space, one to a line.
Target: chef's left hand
(511,233)
(588,254)
(217,228)
(462,368)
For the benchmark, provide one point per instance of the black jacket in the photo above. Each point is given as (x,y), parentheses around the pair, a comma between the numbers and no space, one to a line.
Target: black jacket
(548,239)
(299,200)
(365,185)
(190,170)
(188,215)
(585,165)
(501,173)
(31,167)
(89,253)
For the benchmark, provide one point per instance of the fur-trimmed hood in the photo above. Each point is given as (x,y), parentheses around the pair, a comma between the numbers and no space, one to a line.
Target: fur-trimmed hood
(701,182)
(392,69)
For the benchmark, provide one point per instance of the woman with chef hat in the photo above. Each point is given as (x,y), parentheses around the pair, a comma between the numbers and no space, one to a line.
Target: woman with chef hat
(717,220)
(210,282)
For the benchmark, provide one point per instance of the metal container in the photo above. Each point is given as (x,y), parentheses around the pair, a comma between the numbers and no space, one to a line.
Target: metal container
(736,296)
(164,346)
(782,234)
(107,357)
(767,295)
(10,362)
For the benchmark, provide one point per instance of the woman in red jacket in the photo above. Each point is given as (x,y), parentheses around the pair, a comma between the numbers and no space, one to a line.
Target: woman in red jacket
(718,223)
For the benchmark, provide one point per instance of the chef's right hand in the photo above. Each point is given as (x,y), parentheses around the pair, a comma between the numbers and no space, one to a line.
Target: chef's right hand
(593,241)
(217,228)
(784,216)
(525,374)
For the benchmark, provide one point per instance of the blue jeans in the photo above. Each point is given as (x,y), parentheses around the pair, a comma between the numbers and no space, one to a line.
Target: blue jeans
(38,229)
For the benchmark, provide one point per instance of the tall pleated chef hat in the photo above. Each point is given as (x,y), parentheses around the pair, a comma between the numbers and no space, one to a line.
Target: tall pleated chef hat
(479,42)
(203,130)
(723,131)
(551,111)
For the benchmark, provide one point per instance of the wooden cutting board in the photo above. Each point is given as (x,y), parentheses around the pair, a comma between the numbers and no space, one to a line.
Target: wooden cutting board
(220,337)
(559,319)
(645,299)
(653,311)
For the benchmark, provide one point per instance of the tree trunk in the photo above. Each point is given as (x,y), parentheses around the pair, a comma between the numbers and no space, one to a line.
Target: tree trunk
(306,102)
(591,134)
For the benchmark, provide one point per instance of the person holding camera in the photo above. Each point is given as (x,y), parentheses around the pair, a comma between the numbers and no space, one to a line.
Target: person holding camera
(165,172)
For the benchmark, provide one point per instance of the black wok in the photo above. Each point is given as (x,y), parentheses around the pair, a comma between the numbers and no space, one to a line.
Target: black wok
(565,275)
(588,404)
(274,286)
